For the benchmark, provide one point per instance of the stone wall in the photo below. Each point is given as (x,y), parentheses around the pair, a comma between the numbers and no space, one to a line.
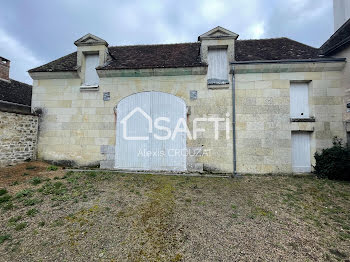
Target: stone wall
(263,118)
(18,137)
(80,126)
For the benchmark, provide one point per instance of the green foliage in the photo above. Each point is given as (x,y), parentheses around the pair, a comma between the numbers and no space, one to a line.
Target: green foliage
(5,198)
(333,162)
(15,219)
(3,238)
(52,168)
(30,167)
(32,201)
(21,226)
(8,206)
(14,183)
(3,191)
(57,188)
(24,193)
(36,181)
(32,212)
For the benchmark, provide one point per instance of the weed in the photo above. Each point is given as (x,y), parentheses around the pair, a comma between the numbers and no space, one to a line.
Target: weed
(32,201)
(15,183)
(3,238)
(15,219)
(24,193)
(233,206)
(57,223)
(3,191)
(41,223)
(5,198)
(91,174)
(32,212)
(30,167)
(21,226)
(188,200)
(57,188)
(25,174)
(52,168)
(234,215)
(8,206)
(36,181)
(338,253)
(56,178)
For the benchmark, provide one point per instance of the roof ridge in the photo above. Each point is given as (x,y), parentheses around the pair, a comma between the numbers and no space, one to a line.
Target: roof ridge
(276,38)
(272,38)
(338,30)
(197,42)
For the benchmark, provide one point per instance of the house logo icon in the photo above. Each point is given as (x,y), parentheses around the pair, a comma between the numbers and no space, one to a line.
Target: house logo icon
(126,118)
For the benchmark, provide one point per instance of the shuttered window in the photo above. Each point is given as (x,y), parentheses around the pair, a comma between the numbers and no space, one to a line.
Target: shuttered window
(217,66)
(299,100)
(91,77)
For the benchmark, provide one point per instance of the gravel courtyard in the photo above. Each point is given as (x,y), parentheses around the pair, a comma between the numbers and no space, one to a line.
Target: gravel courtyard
(51,214)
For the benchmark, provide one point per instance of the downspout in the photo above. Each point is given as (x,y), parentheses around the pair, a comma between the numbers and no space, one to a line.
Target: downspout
(234,174)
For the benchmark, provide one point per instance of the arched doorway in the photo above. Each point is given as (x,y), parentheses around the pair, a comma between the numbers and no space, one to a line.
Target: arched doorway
(144,121)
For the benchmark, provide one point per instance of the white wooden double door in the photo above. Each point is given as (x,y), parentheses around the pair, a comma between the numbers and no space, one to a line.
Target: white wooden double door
(142,142)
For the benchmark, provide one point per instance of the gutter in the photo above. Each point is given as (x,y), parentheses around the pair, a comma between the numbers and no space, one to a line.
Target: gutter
(234,151)
(288,61)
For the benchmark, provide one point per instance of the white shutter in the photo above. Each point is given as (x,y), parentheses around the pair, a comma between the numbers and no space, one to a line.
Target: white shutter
(217,64)
(91,77)
(301,152)
(299,100)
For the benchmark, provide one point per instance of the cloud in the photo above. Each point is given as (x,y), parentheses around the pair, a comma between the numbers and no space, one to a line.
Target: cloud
(22,59)
(46,30)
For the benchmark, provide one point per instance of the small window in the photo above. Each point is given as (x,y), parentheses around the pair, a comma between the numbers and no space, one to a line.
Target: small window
(91,77)
(217,66)
(299,100)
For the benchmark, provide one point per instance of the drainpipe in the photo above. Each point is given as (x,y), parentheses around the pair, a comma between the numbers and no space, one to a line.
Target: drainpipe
(234,174)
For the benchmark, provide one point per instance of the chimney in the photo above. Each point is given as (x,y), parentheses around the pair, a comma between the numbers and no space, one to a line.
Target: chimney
(4,69)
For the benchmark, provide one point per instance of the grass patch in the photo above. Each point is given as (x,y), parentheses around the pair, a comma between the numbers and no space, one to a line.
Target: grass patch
(3,191)
(5,198)
(31,201)
(57,188)
(15,219)
(15,183)
(32,212)
(52,168)
(3,238)
(21,226)
(36,181)
(24,193)
(8,206)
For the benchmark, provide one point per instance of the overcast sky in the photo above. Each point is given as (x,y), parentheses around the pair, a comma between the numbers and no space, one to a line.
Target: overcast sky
(36,32)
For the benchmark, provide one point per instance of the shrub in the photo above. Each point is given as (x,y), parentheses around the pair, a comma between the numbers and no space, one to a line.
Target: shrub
(333,162)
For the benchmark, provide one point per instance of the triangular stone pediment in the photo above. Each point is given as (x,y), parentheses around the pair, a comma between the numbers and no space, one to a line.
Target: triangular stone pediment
(218,33)
(90,39)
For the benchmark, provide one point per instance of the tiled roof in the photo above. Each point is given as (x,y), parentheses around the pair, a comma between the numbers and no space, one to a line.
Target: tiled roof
(15,92)
(187,55)
(273,49)
(338,39)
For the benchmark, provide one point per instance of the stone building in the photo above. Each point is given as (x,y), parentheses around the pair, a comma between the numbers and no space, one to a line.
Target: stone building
(251,106)
(338,45)
(18,126)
